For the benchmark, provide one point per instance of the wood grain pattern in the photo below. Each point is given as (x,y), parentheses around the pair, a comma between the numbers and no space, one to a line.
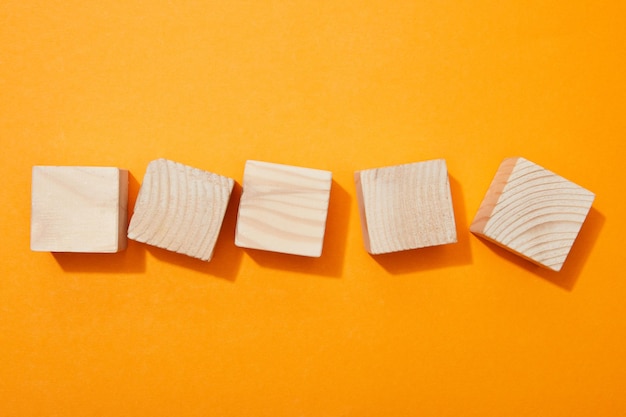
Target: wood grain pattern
(405,206)
(532,212)
(78,209)
(180,208)
(283,208)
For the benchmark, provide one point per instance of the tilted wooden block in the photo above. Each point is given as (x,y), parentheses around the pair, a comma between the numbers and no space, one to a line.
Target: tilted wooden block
(283,208)
(405,206)
(180,208)
(532,212)
(78,209)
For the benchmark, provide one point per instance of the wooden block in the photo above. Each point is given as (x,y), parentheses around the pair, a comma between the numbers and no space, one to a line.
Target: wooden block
(405,206)
(78,209)
(532,212)
(283,208)
(180,208)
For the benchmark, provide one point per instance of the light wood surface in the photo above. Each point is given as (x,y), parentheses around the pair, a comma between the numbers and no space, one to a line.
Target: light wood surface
(78,209)
(283,208)
(532,212)
(180,208)
(405,206)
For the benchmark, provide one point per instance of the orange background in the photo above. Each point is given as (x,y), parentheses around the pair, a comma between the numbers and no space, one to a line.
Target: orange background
(459,330)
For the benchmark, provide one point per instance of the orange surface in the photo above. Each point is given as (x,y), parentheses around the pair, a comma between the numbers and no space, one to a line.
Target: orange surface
(459,330)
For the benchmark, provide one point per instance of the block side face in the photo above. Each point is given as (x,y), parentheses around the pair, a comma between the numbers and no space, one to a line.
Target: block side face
(147,199)
(122,225)
(180,208)
(449,234)
(266,176)
(539,215)
(362,212)
(493,195)
(283,209)
(75,209)
(408,206)
(259,167)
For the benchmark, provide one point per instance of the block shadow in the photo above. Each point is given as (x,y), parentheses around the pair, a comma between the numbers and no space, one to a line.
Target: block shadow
(131,260)
(568,276)
(330,264)
(434,257)
(226,261)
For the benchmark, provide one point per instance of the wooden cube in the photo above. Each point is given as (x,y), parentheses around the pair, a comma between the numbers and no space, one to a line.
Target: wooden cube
(78,209)
(180,208)
(532,212)
(405,206)
(283,208)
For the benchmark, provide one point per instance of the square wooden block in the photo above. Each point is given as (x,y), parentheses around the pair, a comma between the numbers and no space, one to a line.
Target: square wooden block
(405,206)
(78,209)
(283,208)
(180,208)
(532,212)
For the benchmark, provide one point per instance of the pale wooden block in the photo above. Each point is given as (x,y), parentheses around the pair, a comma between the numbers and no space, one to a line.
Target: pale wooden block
(180,208)
(283,208)
(78,209)
(532,212)
(405,206)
